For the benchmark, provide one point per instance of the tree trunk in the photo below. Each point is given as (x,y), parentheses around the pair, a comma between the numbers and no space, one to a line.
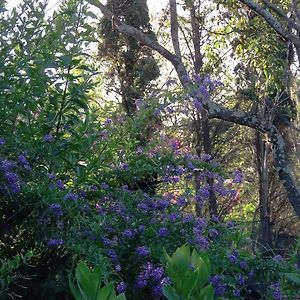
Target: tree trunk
(202,118)
(262,152)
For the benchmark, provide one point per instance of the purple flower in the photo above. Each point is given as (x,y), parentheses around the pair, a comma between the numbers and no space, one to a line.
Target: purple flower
(215,219)
(124,166)
(54,242)
(108,121)
(243,264)
(143,206)
(188,218)
(166,281)
(237,293)
(156,112)
(217,283)
(71,196)
(121,287)
(139,150)
(22,159)
(278,259)
(11,177)
(56,209)
(157,273)
(206,157)
(157,290)
(107,242)
(173,217)
(7,165)
(51,176)
(213,233)
(139,103)
(112,254)
(204,92)
(181,201)
(48,138)
(230,224)
(241,280)
(60,184)
(163,232)
(15,188)
(103,134)
(232,259)
(128,233)
(118,268)
(142,228)
(204,191)
(202,242)
(238,176)
(104,185)
(143,251)
(276,291)
(141,283)
(197,104)
(2,141)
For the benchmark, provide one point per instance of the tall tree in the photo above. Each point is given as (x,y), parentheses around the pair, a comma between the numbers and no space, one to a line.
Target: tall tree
(215,110)
(130,63)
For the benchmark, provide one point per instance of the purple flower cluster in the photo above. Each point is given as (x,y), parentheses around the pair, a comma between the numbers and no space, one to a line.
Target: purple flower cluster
(276,291)
(48,138)
(71,196)
(129,233)
(121,287)
(24,162)
(56,209)
(218,284)
(238,176)
(11,180)
(163,232)
(143,251)
(152,276)
(54,242)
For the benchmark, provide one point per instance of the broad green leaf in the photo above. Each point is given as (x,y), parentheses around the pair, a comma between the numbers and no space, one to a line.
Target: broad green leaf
(106,292)
(170,293)
(295,277)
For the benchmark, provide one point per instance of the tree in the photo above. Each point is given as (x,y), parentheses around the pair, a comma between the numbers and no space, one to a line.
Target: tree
(215,110)
(133,64)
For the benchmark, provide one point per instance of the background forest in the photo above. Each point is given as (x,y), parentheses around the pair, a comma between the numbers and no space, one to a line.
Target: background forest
(150,156)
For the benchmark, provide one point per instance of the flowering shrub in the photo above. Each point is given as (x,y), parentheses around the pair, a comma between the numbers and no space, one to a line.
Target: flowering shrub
(80,184)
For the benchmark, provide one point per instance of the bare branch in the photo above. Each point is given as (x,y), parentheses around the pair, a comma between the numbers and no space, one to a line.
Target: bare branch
(296,10)
(277,26)
(281,13)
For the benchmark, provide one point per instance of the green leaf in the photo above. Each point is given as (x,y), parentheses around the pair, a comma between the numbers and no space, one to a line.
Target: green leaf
(121,297)
(295,277)
(207,293)
(106,292)
(75,291)
(170,293)
(66,60)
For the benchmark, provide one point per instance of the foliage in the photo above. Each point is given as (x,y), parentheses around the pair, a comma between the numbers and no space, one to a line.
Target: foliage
(89,285)
(189,274)
(79,190)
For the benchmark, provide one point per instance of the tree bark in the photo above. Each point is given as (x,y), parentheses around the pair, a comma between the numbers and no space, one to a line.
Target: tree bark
(262,153)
